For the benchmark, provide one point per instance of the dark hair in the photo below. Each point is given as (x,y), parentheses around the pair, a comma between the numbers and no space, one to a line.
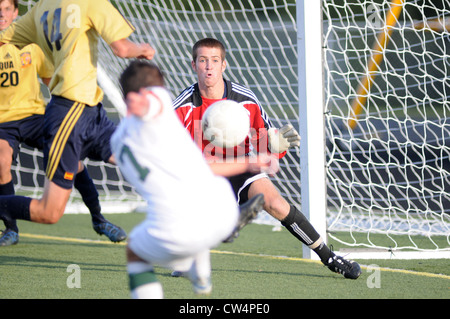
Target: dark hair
(209,43)
(14,2)
(140,74)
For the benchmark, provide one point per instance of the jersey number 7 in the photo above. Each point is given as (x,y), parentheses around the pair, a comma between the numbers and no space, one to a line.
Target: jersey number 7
(142,171)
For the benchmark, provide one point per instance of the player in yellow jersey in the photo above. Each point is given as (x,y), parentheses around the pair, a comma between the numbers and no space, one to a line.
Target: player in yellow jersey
(22,118)
(75,123)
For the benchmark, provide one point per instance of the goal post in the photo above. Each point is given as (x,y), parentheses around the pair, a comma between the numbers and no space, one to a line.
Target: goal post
(311,116)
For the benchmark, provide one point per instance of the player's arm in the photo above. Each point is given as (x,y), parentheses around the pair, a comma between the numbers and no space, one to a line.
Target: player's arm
(115,30)
(44,67)
(46,81)
(261,163)
(125,48)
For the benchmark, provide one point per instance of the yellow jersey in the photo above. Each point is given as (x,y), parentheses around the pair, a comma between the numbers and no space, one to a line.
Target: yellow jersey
(68,32)
(20,90)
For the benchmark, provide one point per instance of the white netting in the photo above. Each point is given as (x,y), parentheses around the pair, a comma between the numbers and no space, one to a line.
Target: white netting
(388,172)
(261,53)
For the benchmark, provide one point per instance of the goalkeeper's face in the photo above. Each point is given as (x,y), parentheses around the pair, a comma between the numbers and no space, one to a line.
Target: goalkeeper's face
(8,12)
(209,66)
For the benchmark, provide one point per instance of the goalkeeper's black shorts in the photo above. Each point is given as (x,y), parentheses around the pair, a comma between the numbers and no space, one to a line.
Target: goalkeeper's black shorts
(241,183)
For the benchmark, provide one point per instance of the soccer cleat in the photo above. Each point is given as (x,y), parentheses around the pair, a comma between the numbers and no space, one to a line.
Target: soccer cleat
(9,237)
(248,212)
(113,232)
(202,287)
(348,268)
(177,273)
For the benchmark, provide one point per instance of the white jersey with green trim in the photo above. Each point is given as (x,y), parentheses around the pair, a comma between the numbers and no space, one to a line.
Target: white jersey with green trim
(187,203)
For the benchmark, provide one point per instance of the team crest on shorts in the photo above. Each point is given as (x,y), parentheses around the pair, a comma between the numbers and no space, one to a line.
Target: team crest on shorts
(25,59)
(68,176)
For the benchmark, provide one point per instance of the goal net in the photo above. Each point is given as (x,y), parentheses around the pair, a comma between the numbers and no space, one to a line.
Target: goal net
(387,123)
(387,133)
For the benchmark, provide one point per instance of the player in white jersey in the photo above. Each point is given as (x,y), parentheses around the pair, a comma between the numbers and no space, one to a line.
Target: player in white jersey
(158,157)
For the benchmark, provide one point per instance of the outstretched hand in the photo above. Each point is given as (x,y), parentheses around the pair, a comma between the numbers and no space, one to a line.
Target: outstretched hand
(280,140)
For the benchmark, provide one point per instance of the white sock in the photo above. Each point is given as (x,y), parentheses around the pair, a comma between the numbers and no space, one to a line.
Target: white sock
(151,290)
(146,286)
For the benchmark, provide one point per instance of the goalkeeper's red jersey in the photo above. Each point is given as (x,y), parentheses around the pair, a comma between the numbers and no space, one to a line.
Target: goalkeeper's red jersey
(190,106)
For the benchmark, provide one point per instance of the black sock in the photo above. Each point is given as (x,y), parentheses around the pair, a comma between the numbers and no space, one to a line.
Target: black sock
(324,252)
(84,184)
(8,189)
(297,224)
(14,207)
(300,227)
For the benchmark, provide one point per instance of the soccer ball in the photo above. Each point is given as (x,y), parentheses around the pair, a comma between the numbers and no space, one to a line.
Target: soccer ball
(226,123)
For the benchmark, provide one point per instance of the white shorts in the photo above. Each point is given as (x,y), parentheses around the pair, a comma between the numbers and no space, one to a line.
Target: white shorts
(173,244)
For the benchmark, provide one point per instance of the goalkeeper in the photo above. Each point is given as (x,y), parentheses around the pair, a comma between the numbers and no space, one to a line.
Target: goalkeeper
(208,62)
(22,119)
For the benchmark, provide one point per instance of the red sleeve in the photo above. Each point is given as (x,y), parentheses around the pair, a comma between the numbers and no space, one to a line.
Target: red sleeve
(180,113)
(191,119)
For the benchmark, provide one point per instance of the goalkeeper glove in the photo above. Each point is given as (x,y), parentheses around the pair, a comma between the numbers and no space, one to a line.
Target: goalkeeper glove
(282,139)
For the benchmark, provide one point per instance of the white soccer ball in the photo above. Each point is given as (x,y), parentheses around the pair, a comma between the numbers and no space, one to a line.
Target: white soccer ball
(226,123)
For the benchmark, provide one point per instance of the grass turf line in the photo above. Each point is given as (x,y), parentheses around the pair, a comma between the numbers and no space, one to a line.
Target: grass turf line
(259,264)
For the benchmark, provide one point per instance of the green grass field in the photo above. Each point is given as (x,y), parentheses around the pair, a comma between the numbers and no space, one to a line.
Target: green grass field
(260,264)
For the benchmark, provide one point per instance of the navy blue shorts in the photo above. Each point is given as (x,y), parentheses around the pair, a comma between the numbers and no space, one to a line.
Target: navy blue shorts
(74,131)
(28,131)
